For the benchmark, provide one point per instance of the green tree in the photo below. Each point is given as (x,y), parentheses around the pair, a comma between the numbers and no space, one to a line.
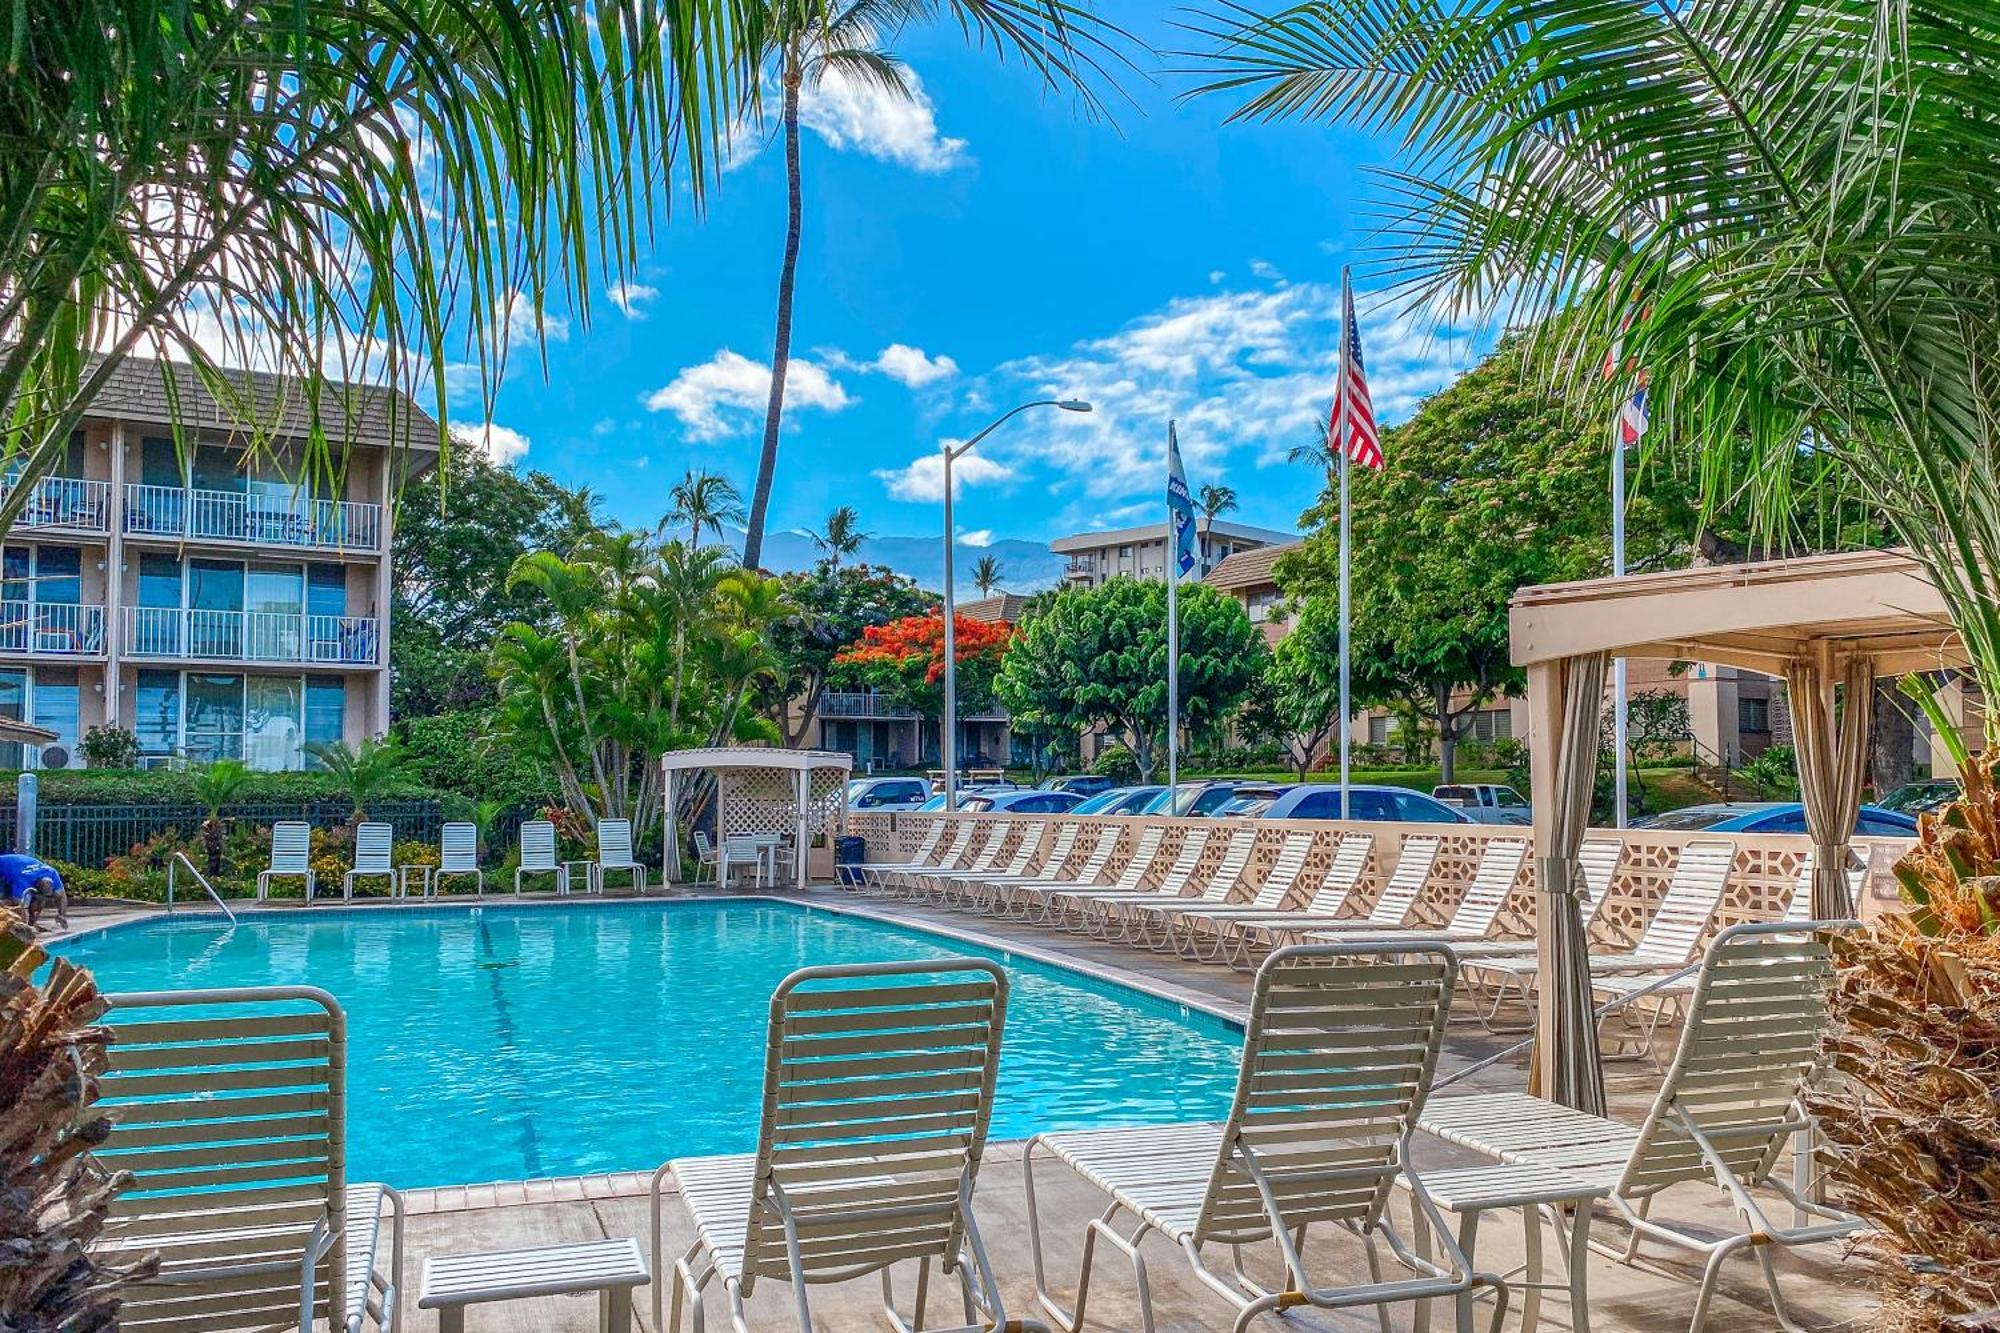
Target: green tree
(834,605)
(805,41)
(1215,501)
(841,537)
(986,575)
(314,184)
(1097,657)
(702,500)
(214,787)
(1296,703)
(364,773)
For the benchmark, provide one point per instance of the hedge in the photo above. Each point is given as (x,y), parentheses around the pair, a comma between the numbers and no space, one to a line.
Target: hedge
(92,786)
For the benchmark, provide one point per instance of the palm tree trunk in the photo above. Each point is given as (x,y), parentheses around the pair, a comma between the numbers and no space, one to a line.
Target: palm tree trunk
(781,352)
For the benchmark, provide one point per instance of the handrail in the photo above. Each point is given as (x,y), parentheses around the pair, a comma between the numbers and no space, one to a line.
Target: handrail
(181,859)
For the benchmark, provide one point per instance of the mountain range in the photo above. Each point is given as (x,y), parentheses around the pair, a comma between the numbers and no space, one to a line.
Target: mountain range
(1025,566)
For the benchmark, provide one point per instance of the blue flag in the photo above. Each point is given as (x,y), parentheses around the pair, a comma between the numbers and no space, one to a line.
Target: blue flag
(1180,507)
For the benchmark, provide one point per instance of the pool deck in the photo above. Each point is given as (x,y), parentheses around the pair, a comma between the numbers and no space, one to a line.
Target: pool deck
(1826,1288)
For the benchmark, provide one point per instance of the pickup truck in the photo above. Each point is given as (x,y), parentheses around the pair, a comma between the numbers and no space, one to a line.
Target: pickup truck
(1485,802)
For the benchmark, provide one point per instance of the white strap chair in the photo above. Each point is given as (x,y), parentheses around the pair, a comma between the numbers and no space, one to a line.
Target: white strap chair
(1143,860)
(1415,863)
(614,853)
(1344,873)
(878,1090)
(932,852)
(1029,899)
(705,858)
(1337,1059)
(1478,911)
(538,855)
(1188,925)
(374,853)
(228,1109)
(291,857)
(458,854)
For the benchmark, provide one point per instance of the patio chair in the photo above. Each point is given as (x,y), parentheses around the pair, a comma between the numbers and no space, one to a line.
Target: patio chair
(926,853)
(884,878)
(374,856)
(925,882)
(1337,1059)
(458,854)
(996,894)
(1415,863)
(614,853)
(291,857)
(1144,858)
(538,856)
(1329,899)
(1478,910)
(878,1090)
(229,1109)
(1100,913)
(738,853)
(1730,1100)
(957,891)
(1180,924)
(705,857)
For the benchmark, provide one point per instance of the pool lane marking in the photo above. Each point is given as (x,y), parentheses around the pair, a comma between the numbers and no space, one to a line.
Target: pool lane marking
(507,1035)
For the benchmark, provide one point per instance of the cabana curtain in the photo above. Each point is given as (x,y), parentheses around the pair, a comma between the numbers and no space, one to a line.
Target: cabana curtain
(1833,759)
(1577,1073)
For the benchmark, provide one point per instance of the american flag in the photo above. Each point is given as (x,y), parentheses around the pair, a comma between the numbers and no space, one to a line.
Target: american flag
(1633,419)
(1352,429)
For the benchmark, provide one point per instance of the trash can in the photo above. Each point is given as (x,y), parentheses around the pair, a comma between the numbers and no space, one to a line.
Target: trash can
(849,851)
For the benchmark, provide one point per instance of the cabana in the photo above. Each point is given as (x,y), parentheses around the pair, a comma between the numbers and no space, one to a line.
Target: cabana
(1827,625)
(764,791)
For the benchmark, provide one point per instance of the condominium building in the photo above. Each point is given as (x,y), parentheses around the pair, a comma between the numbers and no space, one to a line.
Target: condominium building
(217,600)
(1096,557)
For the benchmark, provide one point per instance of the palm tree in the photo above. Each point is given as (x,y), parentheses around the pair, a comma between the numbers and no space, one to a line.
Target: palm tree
(807,40)
(703,499)
(1319,454)
(842,535)
(312,183)
(216,786)
(986,575)
(363,773)
(1215,501)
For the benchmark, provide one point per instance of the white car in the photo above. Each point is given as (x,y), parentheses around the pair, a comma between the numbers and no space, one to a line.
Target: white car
(876,794)
(1486,802)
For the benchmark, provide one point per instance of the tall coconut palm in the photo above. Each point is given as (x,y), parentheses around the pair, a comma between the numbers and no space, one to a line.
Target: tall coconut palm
(703,500)
(808,41)
(986,575)
(841,537)
(311,185)
(1215,501)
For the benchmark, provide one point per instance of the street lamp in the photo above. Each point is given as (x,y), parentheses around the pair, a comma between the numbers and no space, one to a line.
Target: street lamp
(948,732)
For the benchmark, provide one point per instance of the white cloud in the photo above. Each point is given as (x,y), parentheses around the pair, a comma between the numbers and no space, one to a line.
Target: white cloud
(978,537)
(518,312)
(923,477)
(632,297)
(860,115)
(909,366)
(503,444)
(719,397)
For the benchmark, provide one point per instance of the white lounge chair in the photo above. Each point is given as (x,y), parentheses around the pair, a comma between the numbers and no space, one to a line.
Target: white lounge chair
(960,891)
(538,856)
(952,852)
(291,857)
(1085,864)
(1337,1059)
(1414,864)
(1329,899)
(1143,860)
(1123,918)
(925,855)
(1472,921)
(923,884)
(878,1090)
(1729,1102)
(458,854)
(614,853)
(374,857)
(1180,926)
(229,1109)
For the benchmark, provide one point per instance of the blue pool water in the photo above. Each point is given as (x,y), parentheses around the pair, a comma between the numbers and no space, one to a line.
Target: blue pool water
(508,1043)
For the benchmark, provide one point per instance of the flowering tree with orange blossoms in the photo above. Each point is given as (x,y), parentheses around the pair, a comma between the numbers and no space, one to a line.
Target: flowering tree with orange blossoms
(904,661)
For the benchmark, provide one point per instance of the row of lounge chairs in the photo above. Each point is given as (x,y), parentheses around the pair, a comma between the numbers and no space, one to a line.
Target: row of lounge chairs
(458,855)
(227,1108)
(1058,874)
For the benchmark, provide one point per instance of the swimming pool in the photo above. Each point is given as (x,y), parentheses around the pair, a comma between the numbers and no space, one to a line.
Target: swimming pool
(510,1043)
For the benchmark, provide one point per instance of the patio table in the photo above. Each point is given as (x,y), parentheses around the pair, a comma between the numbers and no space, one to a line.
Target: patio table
(611,1268)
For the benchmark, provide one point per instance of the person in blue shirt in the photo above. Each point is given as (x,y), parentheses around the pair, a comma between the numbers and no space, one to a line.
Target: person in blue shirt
(28,882)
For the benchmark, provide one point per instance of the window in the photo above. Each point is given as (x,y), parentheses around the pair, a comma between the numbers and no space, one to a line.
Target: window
(326,590)
(273,723)
(326,712)
(1382,728)
(59,575)
(157,716)
(1753,715)
(14,705)
(1492,724)
(1319,805)
(1414,809)
(160,464)
(1371,805)
(58,700)
(275,597)
(214,728)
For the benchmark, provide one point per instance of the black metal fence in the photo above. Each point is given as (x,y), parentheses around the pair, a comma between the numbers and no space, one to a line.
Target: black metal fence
(90,835)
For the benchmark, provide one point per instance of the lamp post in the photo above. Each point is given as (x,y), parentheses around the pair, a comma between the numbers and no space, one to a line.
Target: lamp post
(948,730)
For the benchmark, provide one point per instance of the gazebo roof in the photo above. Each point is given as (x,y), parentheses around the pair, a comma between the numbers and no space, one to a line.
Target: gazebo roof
(752,756)
(1758,616)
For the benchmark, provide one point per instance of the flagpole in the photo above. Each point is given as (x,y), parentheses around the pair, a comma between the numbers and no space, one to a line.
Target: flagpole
(1173,573)
(1618,719)
(1339,441)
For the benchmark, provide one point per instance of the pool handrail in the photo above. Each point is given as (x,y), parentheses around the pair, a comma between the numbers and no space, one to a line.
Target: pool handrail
(181,859)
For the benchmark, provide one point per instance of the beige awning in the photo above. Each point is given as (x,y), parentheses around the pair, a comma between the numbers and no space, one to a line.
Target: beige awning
(21,733)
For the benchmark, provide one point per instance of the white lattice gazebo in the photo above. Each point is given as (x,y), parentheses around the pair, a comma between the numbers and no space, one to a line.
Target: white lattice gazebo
(763,790)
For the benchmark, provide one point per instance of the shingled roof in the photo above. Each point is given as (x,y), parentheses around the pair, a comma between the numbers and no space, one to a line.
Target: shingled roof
(364,414)
(993,610)
(1248,569)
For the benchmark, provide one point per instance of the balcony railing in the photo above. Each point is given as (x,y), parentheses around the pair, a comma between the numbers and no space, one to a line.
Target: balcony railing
(859,703)
(1081,567)
(237,516)
(250,636)
(69,504)
(55,629)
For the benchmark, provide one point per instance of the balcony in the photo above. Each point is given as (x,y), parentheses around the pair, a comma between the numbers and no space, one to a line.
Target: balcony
(250,636)
(1082,569)
(860,703)
(236,516)
(51,629)
(62,504)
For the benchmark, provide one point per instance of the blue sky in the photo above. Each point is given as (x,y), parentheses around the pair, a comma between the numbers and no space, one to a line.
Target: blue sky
(985,246)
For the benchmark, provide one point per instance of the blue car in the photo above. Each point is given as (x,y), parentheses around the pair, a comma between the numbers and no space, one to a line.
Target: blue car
(1119,801)
(1774,817)
(1320,800)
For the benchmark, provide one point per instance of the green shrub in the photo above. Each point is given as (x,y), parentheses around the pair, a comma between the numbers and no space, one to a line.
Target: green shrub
(110,747)
(451,752)
(1116,762)
(90,786)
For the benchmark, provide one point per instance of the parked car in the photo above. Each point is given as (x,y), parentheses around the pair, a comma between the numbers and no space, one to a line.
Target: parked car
(1251,802)
(1083,784)
(936,802)
(1486,802)
(1321,800)
(1193,800)
(887,793)
(1119,801)
(1028,802)
(1774,817)
(1915,798)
